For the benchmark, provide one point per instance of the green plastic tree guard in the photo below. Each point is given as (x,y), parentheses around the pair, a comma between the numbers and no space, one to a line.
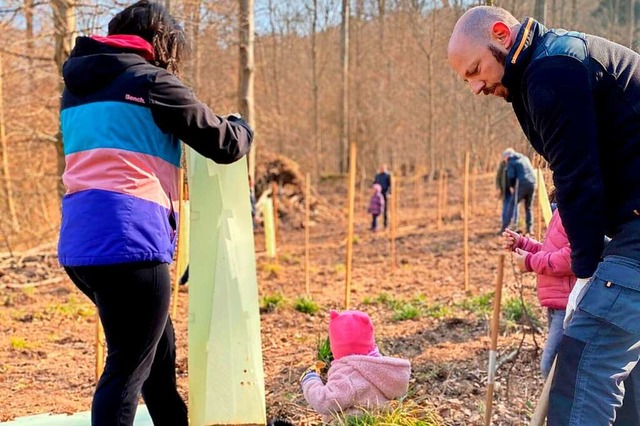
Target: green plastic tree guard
(226,377)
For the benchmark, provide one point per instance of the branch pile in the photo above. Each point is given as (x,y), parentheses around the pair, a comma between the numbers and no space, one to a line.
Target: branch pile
(291,182)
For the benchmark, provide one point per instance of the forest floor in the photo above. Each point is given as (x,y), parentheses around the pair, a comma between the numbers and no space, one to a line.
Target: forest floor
(420,310)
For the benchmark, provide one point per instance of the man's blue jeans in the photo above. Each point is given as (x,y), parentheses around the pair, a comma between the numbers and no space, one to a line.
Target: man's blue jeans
(597,357)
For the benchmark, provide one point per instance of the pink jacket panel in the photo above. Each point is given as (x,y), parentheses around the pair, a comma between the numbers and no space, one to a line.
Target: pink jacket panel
(551,261)
(357,381)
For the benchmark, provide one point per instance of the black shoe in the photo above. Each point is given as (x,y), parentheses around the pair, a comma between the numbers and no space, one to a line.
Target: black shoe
(279,422)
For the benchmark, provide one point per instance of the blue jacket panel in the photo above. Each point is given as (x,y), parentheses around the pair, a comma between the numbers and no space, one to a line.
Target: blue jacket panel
(519,169)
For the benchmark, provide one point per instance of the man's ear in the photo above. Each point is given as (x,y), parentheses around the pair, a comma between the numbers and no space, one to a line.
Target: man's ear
(501,33)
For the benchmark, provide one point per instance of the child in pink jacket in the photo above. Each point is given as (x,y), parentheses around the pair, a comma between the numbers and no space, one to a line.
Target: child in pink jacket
(359,377)
(376,205)
(551,261)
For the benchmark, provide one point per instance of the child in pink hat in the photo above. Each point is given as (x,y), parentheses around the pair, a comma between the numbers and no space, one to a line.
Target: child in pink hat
(359,377)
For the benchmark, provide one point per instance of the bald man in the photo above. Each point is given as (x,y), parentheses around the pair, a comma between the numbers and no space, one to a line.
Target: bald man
(577,98)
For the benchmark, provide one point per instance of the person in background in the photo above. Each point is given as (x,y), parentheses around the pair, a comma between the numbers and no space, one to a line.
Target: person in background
(383,178)
(252,200)
(123,114)
(520,186)
(503,194)
(551,261)
(359,378)
(376,205)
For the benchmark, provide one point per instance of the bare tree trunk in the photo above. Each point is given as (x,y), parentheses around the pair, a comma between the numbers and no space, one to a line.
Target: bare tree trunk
(28,20)
(247,70)
(356,120)
(631,22)
(64,24)
(385,83)
(344,128)
(6,175)
(540,11)
(193,29)
(276,76)
(315,90)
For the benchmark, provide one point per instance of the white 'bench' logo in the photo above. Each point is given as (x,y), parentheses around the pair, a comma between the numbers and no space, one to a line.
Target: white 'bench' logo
(128,97)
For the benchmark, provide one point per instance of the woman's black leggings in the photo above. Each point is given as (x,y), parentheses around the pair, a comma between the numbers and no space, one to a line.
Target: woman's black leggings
(133,303)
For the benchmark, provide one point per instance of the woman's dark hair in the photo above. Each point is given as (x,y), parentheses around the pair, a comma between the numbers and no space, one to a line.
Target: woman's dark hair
(152,22)
(552,196)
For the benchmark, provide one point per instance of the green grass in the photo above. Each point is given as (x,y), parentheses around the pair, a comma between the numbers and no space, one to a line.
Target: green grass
(272,269)
(388,301)
(72,308)
(271,303)
(397,413)
(323,352)
(482,304)
(19,343)
(306,306)
(437,311)
(407,312)
(516,312)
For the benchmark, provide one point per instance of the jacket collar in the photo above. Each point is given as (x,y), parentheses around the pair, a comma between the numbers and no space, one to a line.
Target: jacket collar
(518,58)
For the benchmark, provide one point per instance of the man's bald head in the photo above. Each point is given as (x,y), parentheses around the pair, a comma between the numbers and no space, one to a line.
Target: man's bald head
(476,23)
(479,46)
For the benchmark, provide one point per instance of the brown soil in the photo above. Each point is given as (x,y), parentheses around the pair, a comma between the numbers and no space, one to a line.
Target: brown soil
(47,333)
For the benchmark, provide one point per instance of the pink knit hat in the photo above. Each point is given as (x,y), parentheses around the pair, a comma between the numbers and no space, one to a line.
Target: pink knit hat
(350,333)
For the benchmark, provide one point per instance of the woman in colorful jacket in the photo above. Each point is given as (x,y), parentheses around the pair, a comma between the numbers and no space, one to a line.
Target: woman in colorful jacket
(123,114)
(551,261)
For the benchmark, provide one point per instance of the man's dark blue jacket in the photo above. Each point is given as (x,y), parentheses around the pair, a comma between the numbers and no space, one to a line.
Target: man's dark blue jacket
(384,180)
(577,98)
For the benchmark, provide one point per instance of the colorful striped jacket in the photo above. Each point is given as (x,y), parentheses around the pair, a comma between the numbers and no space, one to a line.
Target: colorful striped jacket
(121,120)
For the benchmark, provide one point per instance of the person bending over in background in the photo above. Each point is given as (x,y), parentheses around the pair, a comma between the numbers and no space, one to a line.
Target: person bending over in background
(520,186)
(123,114)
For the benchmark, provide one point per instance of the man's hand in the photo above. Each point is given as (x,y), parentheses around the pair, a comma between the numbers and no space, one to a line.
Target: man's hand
(519,257)
(579,289)
(511,240)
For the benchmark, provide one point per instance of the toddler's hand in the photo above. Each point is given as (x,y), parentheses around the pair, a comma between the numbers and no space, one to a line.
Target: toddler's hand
(312,372)
(519,257)
(510,240)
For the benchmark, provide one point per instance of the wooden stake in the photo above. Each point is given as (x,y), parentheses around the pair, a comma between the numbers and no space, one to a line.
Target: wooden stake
(465,227)
(445,195)
(439,203)
(540,414)
(351,202)
(177,267)
(474,181)
(394,214)
(99,348)
(274,197)
(495,329)
(307,223)
(416,188)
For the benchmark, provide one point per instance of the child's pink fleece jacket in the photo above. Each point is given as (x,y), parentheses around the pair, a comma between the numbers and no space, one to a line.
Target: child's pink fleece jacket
(357,381)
